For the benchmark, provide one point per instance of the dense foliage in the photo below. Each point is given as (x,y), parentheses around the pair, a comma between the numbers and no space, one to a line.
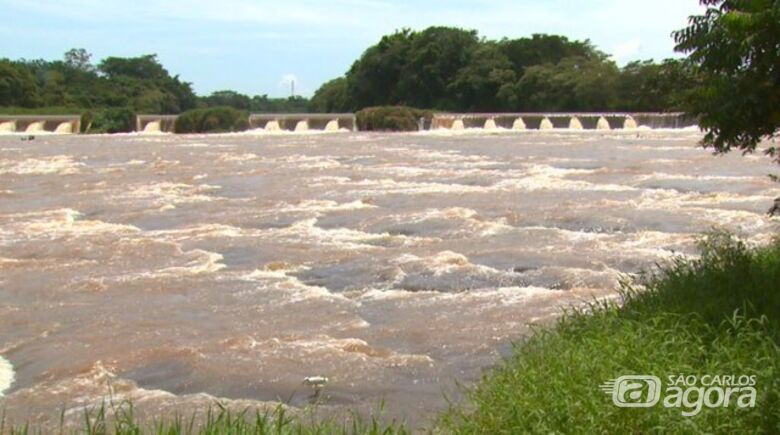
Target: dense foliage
(212,120)
(735,45)
(454,69)
(140,84)
(112,120)
(255,104)
(390,118)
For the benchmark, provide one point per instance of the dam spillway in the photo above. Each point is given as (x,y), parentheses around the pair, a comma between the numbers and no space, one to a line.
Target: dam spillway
(557,121)
(38,124)
(155,124)
(301,122)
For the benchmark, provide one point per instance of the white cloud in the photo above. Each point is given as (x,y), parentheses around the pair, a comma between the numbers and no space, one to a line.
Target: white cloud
(626,51)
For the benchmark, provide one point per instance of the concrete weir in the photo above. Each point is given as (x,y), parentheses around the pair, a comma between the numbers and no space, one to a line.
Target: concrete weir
(35,124)
(300,122)
(554,121)
(155,124)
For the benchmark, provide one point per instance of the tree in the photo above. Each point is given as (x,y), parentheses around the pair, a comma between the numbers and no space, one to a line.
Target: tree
(540,49)
(735,48)
(574,84)
(372,79)
(17,85)
(333,96)
(79,59)
(478,85)
(230,99)
(647,86)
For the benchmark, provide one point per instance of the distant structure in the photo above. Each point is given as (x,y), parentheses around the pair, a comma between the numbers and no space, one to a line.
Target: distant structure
(32,124)
(155,124)
(551,121)
(303,121)
(331,122)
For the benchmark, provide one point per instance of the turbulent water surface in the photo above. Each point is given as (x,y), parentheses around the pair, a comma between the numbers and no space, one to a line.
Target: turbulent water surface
(174,270)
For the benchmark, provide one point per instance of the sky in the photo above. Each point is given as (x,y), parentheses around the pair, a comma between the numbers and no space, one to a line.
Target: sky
(259,46)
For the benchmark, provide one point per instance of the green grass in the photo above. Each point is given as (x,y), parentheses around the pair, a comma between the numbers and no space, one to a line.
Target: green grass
(121,419)
(717,315)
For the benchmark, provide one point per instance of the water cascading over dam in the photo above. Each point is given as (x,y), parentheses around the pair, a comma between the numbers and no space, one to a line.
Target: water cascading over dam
(38,124)
(302,122)
(155,124)
(555,121)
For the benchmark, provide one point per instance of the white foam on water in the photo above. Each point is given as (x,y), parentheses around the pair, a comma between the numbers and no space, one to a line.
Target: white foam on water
(60,164)
(58,223)
(700,207)
(546,177)
(575,124)
(244,157)
(668,176)
(329,129)
(6,375)
(457,125)
(321,206)
(473,224)
(307,231)
(490,124)
(325,347)
(300,161)
(630,123)
(275,277)
(161,194)
(602,124)
(196,262)
(546,124)
(201,232)
(518,124)
(388,186)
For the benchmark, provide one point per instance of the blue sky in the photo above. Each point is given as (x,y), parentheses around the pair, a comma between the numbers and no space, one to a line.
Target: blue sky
(257,46)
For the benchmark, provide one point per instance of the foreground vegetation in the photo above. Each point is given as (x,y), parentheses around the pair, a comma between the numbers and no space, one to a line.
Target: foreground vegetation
(715,315)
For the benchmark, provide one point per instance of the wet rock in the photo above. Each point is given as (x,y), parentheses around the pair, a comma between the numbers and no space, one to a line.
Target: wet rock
(775,210)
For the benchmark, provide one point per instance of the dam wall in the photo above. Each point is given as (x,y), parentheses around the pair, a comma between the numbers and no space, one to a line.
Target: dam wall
(32,124)
(155,123)
(303,121)
(569,120)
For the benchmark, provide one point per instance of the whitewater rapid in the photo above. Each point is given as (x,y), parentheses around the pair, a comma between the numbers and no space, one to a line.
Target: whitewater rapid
(175,270)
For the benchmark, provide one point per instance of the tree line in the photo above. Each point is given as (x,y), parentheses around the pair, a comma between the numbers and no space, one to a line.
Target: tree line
(440,68)
(137,84)
(454,69)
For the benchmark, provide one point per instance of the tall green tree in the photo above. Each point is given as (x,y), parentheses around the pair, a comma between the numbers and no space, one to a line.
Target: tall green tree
(735,47)
(333,96)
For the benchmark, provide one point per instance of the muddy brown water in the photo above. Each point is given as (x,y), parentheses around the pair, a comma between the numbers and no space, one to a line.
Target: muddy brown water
(179,270)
